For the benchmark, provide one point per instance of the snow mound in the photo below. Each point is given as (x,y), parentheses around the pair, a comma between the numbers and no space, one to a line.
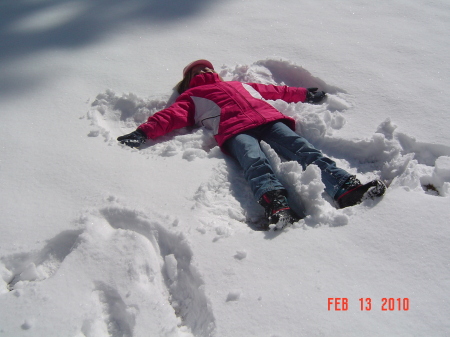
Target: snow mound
(306,189)
(129,274)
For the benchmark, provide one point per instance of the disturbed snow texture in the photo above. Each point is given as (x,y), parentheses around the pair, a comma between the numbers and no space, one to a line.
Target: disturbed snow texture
(102,240)
(123,266)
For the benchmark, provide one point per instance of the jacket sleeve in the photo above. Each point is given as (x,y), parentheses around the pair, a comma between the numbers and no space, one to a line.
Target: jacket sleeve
(274,92)
(179,115)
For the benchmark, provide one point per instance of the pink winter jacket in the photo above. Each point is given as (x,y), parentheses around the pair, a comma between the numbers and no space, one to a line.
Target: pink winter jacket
(227,108)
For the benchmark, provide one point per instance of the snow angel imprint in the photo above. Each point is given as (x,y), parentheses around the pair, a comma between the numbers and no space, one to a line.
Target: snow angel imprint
(240,119)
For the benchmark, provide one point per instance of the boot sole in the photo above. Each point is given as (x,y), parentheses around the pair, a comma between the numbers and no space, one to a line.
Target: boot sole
(371,190)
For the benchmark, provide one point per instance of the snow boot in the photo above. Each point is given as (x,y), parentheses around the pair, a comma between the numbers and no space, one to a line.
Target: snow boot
(352,192)
(277,209)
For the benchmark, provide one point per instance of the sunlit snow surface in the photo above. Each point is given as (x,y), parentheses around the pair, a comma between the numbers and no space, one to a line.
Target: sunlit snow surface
(102,240)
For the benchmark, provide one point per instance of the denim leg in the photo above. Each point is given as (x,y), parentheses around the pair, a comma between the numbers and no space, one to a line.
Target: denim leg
(294,147)
(245,148)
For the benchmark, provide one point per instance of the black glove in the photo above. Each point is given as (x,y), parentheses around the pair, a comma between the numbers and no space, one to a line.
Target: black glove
(134,139)
(313,96)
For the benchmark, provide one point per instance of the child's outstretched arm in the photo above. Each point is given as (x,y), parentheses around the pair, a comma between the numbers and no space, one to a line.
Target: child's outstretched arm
(179,115)
(289,94)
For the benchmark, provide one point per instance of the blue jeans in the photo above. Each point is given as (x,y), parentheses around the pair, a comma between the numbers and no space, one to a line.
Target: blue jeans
(245,148)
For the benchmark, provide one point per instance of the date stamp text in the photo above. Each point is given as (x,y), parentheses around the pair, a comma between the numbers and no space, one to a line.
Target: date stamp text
(367,304)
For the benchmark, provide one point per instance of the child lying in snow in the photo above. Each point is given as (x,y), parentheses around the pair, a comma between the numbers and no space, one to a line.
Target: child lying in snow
(240,119)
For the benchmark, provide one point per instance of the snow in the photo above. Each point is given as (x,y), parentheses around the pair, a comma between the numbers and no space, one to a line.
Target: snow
(98,239)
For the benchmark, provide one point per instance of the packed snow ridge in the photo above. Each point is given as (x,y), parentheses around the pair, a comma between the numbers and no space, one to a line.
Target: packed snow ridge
(158,280)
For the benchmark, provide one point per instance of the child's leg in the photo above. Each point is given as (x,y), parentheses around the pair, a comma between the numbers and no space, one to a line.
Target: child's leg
(245,148)
(294,147)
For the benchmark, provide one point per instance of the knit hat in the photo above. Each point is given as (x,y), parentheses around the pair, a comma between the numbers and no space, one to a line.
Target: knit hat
(196,63)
